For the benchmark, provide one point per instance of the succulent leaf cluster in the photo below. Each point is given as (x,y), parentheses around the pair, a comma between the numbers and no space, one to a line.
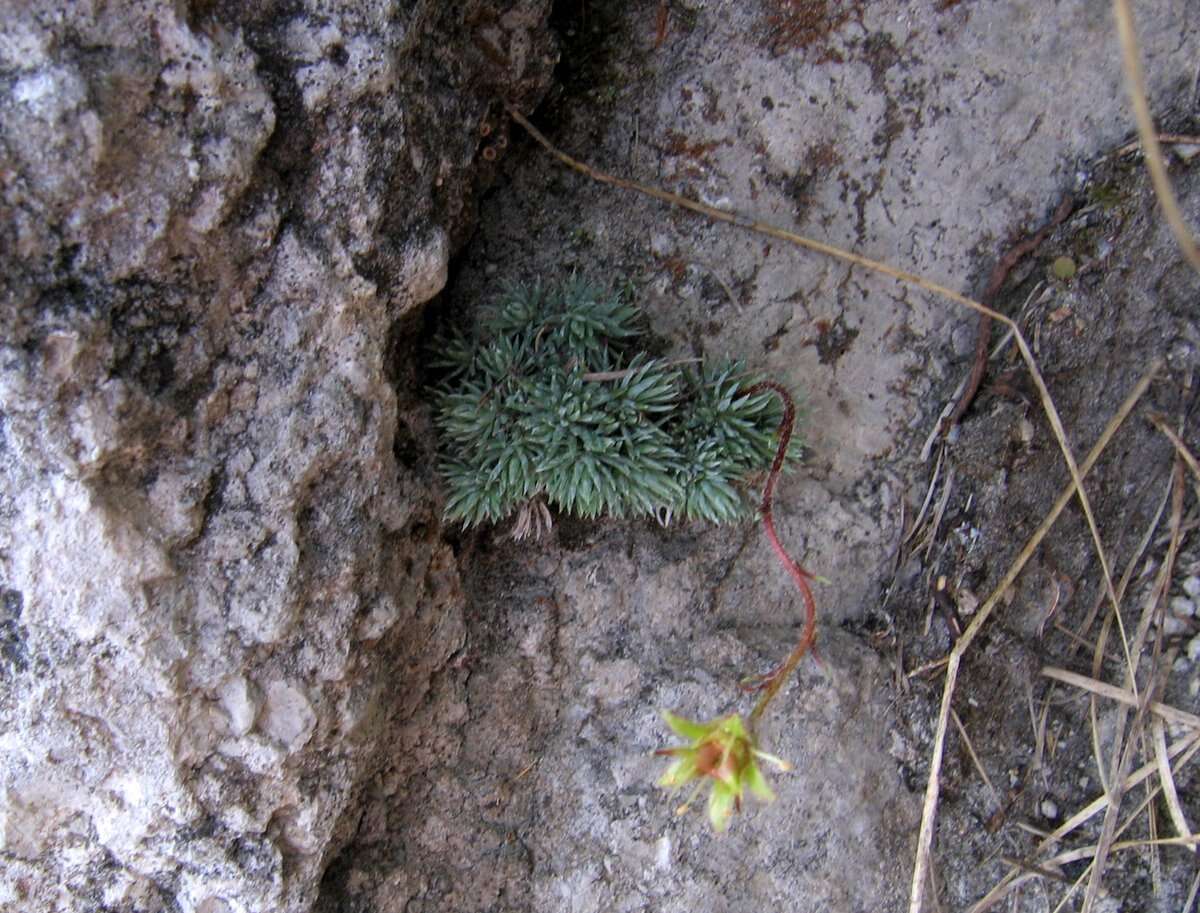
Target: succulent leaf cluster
(551,400)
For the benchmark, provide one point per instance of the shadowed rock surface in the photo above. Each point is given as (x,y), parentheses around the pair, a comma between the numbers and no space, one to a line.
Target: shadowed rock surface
(244,667)
(223,584)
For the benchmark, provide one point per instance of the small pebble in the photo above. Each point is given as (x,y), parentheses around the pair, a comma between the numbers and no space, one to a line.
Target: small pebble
(967,601)
(1186,151)
(1193,648)
(1191,586)
(1184,608)
(1173,625)
(1049,809)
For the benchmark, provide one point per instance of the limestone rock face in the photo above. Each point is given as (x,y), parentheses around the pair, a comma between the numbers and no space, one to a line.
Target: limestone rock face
(221,584)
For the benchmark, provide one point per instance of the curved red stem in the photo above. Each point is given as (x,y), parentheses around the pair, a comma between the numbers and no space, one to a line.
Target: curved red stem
(777,678)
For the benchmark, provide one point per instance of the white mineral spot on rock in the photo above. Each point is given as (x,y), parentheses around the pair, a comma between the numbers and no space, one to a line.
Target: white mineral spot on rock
(21,47)
(32,89)
(304,828)
(261,755)
(287,715)
(967,601)
(208,211)
(1025,430)
(315,82)
(425,268)
(662,852)
(382,616)
(1186,151)
(31,813)
(240,703)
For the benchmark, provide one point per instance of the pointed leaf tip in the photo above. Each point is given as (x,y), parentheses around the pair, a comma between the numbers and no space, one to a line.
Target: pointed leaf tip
(685,728)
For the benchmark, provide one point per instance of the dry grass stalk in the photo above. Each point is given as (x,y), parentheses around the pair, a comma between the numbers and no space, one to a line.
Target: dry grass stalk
(1123,696)
(925,837)
(1090,852)
(1191,898)
(1167,139)
(1184,749)
(1180,447)
(974,757)
(1151,149)
(931,537)
(926,668)
(920,520)
(1154,850)
(1123,754)
(1126,577)
(1123,758)
(1038,721)
(1166,777)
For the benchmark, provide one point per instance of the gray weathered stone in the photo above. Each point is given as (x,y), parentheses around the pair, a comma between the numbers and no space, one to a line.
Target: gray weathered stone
(221,591)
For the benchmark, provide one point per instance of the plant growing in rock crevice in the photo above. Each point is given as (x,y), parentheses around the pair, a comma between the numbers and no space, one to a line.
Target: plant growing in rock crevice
(552,403)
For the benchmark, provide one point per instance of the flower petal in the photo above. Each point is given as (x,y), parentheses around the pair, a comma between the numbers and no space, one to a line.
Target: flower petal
(733,728)
(758,783)
(680,772)
(772,759)
(720,806)
(686,728)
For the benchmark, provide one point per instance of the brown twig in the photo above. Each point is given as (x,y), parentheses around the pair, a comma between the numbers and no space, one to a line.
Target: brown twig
(663,20)
(1035,869)
(1167,139)
(984,331)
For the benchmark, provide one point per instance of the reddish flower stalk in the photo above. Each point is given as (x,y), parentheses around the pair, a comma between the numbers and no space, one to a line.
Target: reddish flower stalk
(775,680)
